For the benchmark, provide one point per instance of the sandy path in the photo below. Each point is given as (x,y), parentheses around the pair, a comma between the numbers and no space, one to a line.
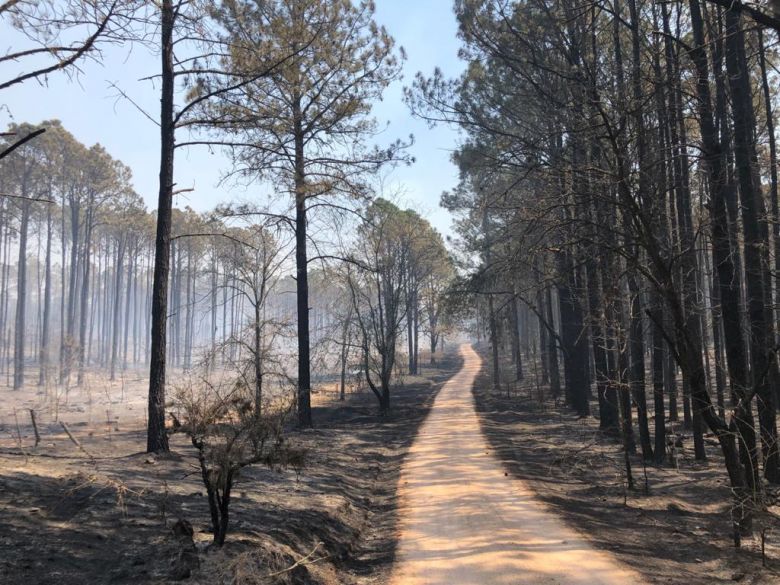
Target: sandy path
(463,521)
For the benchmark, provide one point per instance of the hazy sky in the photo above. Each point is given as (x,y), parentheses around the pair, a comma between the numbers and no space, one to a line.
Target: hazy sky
(91,110)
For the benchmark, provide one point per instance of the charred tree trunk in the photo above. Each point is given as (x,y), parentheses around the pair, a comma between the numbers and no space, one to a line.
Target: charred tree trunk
(258,357)
(552,351)
(773,186)
(516,348)
(157,437)
(118,289)
(756,242)
(85,296)
(576,360)
(636,334)
(45,327)
(302,273)
(131,267)
(21,297)
(544,348)
(608,416)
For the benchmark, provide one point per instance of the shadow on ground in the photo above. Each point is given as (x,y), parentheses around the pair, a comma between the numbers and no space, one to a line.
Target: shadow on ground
(680,532)
(66,519)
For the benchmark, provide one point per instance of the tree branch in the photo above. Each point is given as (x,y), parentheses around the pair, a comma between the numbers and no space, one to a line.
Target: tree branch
(20,142)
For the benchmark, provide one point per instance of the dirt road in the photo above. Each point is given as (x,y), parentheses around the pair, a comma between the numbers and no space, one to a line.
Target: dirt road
(463,521)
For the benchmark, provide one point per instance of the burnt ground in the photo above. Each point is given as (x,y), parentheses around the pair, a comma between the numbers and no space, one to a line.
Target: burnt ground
(104,514)
(678,532)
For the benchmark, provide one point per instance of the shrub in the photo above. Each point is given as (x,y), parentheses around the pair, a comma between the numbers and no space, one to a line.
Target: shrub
(230,432)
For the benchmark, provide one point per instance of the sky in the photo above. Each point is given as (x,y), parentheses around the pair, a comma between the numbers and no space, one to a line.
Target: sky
(94,111)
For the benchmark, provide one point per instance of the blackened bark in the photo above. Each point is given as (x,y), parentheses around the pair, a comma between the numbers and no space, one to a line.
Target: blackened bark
(541,314)
(658,360)
(493,325)
(188,310)
(688,264)
(622,378)
(131,269)
(756,242)
(637,373)
(21,297)
(516,349)
(302,273)
(44,356)
(175,300)
(576,362)
(157,437)
(552,348)
(85,296)
(544,348)
(416,329)
(409,321)
(258,357)
(608,416)
(636,334)
(213,298)
(492,321)
(346,340)
(736,462)
(773,187)
(717,342)
(68,340)
(115,330)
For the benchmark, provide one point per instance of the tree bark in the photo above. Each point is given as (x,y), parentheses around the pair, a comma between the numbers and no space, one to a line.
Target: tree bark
(516,348)
(756,242)
(85,296)
(575,346)
(157,437)
(552,351)
(302,273)
(21,297)
(44,357)
(117,319)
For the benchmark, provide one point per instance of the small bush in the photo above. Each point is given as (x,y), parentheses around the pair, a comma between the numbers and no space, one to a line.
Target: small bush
(230,432)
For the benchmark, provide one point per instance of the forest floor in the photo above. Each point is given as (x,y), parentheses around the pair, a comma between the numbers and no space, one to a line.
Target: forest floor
(103,513)
(678,532)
